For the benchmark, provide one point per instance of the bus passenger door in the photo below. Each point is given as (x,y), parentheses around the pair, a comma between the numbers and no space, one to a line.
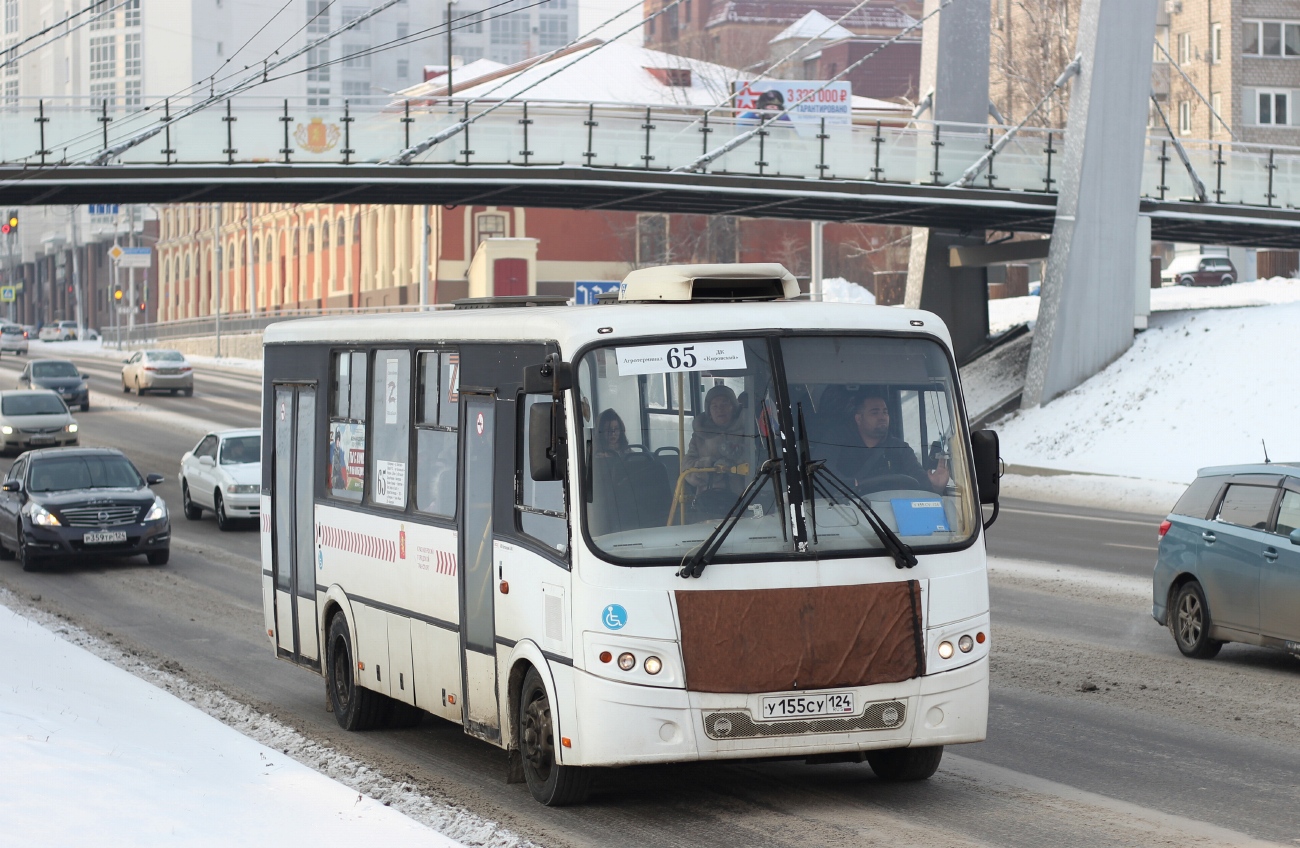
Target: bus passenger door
(293,516)
(477,601)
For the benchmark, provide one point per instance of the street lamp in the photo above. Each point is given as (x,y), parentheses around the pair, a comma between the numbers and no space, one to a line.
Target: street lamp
(450,3)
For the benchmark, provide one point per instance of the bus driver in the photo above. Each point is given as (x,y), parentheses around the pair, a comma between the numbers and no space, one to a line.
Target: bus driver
(874,453)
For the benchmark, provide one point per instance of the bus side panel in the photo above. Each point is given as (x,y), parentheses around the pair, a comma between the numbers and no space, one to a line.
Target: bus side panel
(371,647)
(481,689)
(400,677)
(537,604)
(435,659)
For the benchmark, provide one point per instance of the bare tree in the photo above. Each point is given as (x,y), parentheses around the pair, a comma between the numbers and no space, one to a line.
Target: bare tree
(1032,42)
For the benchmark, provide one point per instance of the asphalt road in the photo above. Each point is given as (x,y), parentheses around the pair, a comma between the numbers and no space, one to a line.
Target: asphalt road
(1061,766)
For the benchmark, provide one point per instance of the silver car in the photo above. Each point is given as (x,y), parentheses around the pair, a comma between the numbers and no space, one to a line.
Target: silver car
(13,339)
(158,370)
(1229,563)
(34,419)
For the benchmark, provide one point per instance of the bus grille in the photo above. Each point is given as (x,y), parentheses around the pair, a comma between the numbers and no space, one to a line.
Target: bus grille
(737,724)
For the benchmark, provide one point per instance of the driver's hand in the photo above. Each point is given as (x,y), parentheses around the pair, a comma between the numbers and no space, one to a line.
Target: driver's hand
(939,476)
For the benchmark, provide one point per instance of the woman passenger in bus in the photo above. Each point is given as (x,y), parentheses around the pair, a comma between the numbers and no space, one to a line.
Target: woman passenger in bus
(718,440)
(611,435)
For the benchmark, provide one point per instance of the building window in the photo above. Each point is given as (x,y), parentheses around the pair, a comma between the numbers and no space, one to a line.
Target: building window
(686,12)
(1273,109)
(469,23)
(509,38)
(1184,48)
(1216,103)
(103,20)
(318,69)
(103,92)
(489,226)
(340,233)
(1162,40)
(552,31)
(403,68)
(131,54)
(1185,117)
(403,29)
(356,55)
(103,57)
(11,17)
(351,13)
(131,14)
(1270,38)
(1216,43)
(318,16)
(356,90)
(11,69)
(132,93)
(318,96)
(11,92)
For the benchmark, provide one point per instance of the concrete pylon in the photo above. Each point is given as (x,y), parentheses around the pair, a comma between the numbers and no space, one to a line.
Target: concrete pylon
(1085,318)
(955,77)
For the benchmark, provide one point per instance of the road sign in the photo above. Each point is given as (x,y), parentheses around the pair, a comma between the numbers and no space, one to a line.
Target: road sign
(7,294)
(131,257)
(102,208)
(585,291)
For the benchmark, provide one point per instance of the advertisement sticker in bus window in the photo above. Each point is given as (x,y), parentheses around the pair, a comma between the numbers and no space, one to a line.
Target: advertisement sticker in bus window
(693,356)
(919,517)
(347,459)
(390,483)
(391,380)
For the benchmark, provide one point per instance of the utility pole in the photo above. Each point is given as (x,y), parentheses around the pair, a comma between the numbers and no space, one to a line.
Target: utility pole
(815,283)
(449,88)
(424,257)
(76,277)
(216,267)
(130,272)
(251,280)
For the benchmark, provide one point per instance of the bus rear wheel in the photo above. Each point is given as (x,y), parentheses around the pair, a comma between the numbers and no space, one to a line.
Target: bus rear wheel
(552,784)
(899,765)
(355,707)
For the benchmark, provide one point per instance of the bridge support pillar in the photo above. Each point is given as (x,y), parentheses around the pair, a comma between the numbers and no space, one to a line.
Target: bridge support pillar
(1085,319)
(955,78)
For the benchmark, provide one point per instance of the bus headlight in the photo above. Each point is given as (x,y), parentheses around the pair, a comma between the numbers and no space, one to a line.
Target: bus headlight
(945,650)
(653,665)
(626,661)
(965,643)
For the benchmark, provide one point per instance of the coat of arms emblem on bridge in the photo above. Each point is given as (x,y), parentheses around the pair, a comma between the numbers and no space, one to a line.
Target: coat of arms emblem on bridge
(317,136)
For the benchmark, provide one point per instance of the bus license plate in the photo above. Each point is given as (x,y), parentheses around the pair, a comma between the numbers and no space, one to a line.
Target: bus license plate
(100,537)
(808,706)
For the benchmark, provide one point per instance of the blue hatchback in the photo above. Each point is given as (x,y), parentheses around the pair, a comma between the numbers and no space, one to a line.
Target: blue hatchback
(1229,563)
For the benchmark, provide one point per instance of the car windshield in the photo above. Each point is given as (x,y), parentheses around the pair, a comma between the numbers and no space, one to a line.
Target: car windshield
(37,404)
(240,450)
(165,356)
(672,436)
(11,330)
(102,471)
(47,370)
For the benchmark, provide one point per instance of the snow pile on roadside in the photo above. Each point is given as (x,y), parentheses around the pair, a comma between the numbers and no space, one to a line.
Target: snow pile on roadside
(142,767)
(840,290)
(108,350)
(1122,494)
(1196,389)
(1007,312)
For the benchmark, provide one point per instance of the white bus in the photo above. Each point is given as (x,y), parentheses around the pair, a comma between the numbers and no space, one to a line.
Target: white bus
(707,520)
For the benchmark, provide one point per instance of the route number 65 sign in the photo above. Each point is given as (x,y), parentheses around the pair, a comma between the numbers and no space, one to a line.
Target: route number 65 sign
(692,356)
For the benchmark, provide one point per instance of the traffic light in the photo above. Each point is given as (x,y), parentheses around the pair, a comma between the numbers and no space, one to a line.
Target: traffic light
(10,225)
(117,294)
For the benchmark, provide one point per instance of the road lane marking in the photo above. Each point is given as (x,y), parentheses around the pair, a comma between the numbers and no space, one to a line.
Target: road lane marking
(1149,548)
(1079,517)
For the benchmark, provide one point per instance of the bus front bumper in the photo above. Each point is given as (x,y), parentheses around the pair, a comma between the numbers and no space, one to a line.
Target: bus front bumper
(621,724)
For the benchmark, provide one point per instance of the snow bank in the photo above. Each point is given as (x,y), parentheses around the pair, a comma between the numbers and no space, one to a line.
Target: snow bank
(96,756)
(840,290)
(1196,389)
(1123,494)
(108,350)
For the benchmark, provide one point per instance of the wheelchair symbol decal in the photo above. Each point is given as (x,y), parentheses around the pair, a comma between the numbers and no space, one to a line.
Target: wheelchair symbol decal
(615,617)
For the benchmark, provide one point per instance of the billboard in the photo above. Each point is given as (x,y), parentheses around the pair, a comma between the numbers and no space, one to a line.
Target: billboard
(834,102)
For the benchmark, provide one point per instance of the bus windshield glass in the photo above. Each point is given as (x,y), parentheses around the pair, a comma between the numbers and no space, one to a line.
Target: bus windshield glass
(676,435)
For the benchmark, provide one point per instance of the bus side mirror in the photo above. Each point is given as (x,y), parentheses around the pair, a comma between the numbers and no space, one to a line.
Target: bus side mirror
(988,470)
(552,377)
(545,455)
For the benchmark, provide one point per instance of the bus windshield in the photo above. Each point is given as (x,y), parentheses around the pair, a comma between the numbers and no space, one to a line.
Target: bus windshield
(676,435)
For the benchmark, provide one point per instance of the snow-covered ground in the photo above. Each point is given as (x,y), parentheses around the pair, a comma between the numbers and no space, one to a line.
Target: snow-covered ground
(1204,387)
(96,754)
(840,290)
(107,350)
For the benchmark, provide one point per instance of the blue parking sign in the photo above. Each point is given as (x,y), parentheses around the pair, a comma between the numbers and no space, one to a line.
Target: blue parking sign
(585,291)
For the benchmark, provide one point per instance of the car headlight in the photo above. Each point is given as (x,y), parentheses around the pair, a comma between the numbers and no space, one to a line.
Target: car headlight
(158,511)
(40,515)
(7,430)
(243,489)
(71,428)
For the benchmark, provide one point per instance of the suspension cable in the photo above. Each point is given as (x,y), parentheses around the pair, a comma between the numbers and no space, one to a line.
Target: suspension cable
(1188,80)
(1197,185)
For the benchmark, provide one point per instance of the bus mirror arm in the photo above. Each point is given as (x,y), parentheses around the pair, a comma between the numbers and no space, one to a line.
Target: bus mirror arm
(988,469)
(553,377)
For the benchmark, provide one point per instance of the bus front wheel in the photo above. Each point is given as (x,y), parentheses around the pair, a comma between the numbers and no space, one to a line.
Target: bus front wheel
(551,783)
(355,707)
(905,764)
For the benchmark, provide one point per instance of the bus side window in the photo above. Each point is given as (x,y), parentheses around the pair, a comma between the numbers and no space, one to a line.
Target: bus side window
(540,505)
(435,433)
(346,446)
(390,427)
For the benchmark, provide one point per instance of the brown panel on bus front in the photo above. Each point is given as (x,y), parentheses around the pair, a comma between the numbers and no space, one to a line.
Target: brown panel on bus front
(774,640)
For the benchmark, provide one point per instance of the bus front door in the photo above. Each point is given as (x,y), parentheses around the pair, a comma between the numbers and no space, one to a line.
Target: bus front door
(293,516)
(477,602)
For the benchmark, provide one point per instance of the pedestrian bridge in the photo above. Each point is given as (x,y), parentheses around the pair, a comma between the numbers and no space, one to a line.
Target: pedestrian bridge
(882,168)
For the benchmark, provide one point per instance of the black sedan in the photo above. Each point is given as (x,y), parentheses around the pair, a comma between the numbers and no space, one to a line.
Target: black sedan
(59,376)
(74,503)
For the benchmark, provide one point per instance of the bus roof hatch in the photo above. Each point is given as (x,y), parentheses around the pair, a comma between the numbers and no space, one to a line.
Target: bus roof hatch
(710,283)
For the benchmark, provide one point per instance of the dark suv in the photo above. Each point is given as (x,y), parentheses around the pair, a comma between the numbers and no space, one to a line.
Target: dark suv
(1228,569)
(67,503)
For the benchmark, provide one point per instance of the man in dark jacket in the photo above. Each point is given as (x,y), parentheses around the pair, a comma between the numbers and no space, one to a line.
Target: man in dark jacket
(874,453)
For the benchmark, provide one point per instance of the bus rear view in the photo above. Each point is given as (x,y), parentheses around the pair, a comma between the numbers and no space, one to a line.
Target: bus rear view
(703,521)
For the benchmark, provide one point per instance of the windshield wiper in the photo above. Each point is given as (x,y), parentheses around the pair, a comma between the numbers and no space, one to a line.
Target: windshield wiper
(705,554)
(902,554)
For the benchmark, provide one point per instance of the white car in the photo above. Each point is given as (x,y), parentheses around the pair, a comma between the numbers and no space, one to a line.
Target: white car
(223,474)
(13,339)
(59,331)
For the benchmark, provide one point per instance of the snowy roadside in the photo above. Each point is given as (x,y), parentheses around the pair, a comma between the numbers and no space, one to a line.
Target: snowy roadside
(105,350)
(149,757)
